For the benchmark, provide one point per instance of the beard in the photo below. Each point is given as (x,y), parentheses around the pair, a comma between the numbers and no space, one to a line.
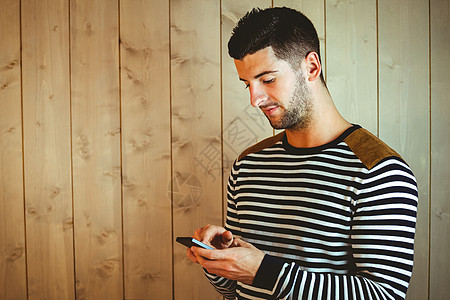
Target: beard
(298,112)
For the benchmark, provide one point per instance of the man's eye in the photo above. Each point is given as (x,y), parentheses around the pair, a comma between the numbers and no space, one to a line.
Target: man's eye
(247,85)
(269,81)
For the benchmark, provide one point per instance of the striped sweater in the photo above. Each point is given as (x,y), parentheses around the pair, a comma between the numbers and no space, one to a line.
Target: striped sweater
(335,221)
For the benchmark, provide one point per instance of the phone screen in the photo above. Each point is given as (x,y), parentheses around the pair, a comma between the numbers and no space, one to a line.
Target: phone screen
(189,242)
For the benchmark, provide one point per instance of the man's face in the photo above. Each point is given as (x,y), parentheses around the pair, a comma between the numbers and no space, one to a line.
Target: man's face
(277,89)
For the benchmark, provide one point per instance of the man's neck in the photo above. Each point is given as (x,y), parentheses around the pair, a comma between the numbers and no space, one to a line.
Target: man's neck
(325,126)
(314,137)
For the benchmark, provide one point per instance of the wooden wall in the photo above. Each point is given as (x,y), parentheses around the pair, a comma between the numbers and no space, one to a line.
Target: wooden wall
(119,121)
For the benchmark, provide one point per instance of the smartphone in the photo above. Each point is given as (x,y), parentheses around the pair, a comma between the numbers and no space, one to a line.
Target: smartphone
(189,242)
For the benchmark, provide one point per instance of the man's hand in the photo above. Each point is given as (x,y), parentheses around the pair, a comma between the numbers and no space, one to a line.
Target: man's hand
(240,262)
(233,258)
(215,236)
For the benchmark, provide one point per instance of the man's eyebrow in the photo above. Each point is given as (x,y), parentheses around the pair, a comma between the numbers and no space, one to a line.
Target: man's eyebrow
(261,74)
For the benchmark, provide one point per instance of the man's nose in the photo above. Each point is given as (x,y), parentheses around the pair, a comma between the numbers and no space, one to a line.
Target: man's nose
(257,96)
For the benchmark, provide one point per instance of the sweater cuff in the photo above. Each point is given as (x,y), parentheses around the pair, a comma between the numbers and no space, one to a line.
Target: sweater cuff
(268,272)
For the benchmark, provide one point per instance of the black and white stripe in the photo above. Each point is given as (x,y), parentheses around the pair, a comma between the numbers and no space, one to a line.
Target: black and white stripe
(342,231)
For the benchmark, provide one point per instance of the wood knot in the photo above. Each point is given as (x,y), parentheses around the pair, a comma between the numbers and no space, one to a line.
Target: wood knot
(143,100)
(131,76)
(179,143)
(142,202)
(127,182)
(88,28)
(105,236)
(181,117)
(127,47)
(56,191)
(11,130)
(441,214)
(114,172)
(83,149)
(179,60)
(12,64)
(50,208)
(139,146)
(83,140)
(67,224)
(114,132)
(33,212)
(148,132)
(149,275)
(15,254)
(106,268)
(84,152)
(81,291)
(87,221)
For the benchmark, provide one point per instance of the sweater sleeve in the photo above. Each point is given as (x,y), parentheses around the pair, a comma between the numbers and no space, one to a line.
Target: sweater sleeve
(224,286)
(382,237)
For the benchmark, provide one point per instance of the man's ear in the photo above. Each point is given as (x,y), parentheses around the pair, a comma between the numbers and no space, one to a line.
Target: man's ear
(313,66)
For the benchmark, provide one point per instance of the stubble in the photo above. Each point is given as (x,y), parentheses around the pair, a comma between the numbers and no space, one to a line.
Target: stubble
(298,112)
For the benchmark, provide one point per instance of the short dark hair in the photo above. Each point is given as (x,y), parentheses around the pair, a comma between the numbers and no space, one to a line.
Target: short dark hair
(290,33)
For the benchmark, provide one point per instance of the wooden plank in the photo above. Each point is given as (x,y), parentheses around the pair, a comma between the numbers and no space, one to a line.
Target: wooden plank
(243,125)
(146,146)
(46,123)
(13,283)
(315,11)
(196,133)
(352,60)
(96,149)
(404,108)
(440,148)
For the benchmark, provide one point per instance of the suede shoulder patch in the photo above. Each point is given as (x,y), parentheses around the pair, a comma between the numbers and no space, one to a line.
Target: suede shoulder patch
(369,148)
(262,145)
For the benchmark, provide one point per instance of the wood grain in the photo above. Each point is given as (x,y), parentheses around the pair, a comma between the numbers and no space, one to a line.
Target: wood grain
(154,123)
(147,216)
(96,137)
(440,149)
(404,108)
(46,124)
(13,283)
(196,133)
(352,60)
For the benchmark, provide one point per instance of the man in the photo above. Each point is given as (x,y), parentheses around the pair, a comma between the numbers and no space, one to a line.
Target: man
(323,210)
